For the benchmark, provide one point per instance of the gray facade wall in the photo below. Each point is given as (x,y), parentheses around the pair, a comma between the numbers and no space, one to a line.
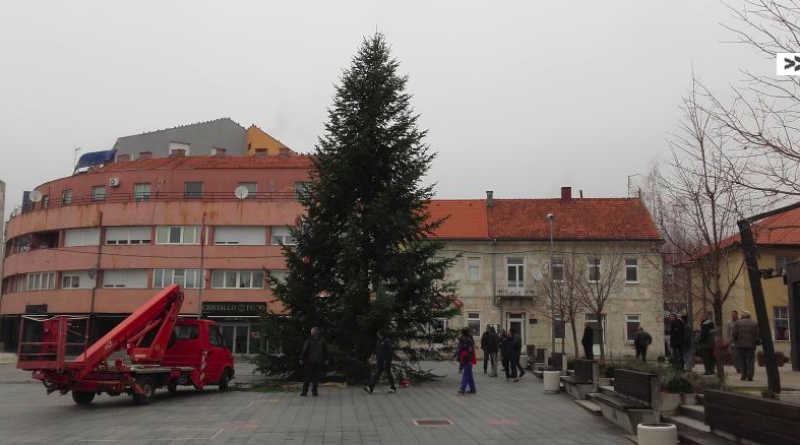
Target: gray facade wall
(2,228)
(202,137)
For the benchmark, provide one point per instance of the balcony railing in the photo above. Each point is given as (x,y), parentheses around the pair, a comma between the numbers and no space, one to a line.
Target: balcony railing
(152,197)
(516,289)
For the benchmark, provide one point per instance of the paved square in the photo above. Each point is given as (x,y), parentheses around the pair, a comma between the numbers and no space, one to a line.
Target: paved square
(501,413)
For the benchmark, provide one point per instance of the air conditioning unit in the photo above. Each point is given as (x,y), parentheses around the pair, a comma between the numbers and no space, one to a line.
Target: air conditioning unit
(113,182)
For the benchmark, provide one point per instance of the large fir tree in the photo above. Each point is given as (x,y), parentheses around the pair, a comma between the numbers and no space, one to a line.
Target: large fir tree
(363,259)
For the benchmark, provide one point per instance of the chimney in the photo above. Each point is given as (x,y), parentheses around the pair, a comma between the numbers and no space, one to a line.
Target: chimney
(283,152)
(177,153)
(145,154)
(566,193)
(220,152)
(581,193)
(123,158)
(489,198)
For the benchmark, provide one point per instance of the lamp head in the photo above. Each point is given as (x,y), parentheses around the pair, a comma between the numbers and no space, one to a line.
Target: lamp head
(551,217)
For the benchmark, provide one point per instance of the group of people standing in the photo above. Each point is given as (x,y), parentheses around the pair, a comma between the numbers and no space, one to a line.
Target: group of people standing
(507,345)
(743,338)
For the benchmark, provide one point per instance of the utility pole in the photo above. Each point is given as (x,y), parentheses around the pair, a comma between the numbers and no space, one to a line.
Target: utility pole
(550,219)
(202,271)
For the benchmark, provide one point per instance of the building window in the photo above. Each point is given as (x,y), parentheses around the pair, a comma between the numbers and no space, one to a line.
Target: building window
(473,269)
(240,235)
(193,190)
(594,269)
(128,235)
(45,201)
(559,327)
(66,196)
(516,272)
(132,279)
(178,235)
(300,188)
(185,278)
(631,270)
(99,193)
(782,261)
(70,281)
(81,237)
(438,331)
(282,235)
(237,279)
(141,192)
(474,323)
(279,275)
(41,281)
(557,269)
(592,319)
(632,323)
(251,187)
(781,322)
(261,152)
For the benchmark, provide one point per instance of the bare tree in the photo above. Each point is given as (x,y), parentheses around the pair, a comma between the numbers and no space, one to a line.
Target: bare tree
(559,284)
(603,280)
(700,207)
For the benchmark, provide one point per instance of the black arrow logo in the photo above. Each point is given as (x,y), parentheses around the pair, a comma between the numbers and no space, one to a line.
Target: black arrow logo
(792,63)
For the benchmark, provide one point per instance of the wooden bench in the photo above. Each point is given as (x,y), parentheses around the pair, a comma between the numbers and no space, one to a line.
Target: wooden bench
(583,380)
(558,362)
(635,399)
(738,416)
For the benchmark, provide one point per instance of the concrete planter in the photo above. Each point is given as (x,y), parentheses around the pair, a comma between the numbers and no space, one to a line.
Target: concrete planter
(552,382)
(670,402)
(689,399)
(657,434)
(605,381)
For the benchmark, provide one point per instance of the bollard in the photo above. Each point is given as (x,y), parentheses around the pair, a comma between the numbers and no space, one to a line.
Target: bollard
(657,434)
(552,383)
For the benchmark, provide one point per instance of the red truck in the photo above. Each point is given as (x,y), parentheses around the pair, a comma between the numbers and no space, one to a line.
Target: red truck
(153,349)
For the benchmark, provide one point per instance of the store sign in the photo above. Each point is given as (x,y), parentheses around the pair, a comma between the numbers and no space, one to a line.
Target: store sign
(36,309)
(233,309)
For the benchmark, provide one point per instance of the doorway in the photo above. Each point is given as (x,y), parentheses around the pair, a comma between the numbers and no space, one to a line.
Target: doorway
(240,337)
(516,322)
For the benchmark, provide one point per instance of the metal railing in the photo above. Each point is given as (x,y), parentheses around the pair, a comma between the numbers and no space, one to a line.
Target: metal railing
(515,289)
(151,197)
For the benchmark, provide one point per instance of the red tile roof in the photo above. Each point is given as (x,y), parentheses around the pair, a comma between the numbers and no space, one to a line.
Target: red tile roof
(778,230)
(213,162)
(525,219)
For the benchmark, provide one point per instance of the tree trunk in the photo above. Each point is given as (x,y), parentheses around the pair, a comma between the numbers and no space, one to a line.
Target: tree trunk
(575,339)
(718,338)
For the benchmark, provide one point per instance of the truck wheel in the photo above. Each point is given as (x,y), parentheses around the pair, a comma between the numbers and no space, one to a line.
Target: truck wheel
(82,398)
(148,391)
(223,381)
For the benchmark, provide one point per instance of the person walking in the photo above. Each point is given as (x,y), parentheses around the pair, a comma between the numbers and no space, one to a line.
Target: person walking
(688,344)
(705,344)
(517,370)
(491,349)
(676,340)
(588,341)
(484,339)
(467,358)
(312,359)
(745,334)
(505,353)
(731,343)
(383,357)
(641,341)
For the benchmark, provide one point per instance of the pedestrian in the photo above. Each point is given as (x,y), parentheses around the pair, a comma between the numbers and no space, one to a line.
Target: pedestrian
(745,334)
(676,326)
(484,339)
(505,353)
(688,344)
(312,359)
(705,344)
(641,341)
(467,357)
(731,343)
(491,348)
(515,351)
(383,359)
(588,341)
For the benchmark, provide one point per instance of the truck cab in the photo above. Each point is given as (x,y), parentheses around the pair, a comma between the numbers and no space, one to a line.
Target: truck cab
(198,344)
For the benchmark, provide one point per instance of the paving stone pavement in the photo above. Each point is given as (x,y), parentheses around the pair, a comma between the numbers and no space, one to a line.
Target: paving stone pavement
(501,413)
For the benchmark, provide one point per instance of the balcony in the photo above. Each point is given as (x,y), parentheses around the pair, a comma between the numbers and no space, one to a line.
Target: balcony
(515,289)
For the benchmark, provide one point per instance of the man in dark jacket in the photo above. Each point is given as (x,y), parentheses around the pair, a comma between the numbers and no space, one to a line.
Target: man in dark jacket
(688,344)
(676,340)
(505,353)
(705,344)
(641,341)
(490,343)
(312,359)
(588,341)
(745,334)
(515,351)
(383,358)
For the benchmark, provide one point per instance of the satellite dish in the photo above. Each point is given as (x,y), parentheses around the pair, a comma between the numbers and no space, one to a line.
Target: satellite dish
(241,192)
(92,273)
(537,275)
(35,196)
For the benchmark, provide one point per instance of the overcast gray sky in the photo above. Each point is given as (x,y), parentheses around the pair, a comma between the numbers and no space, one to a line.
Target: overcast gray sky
(520,97)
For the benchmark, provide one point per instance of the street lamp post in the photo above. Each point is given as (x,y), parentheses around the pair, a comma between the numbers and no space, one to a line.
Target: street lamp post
(550,220)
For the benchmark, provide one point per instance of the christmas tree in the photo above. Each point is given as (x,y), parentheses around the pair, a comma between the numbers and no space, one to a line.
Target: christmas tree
(363,258)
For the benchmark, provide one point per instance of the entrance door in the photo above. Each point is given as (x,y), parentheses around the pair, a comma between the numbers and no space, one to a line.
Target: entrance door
(237,336)
(516,322)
